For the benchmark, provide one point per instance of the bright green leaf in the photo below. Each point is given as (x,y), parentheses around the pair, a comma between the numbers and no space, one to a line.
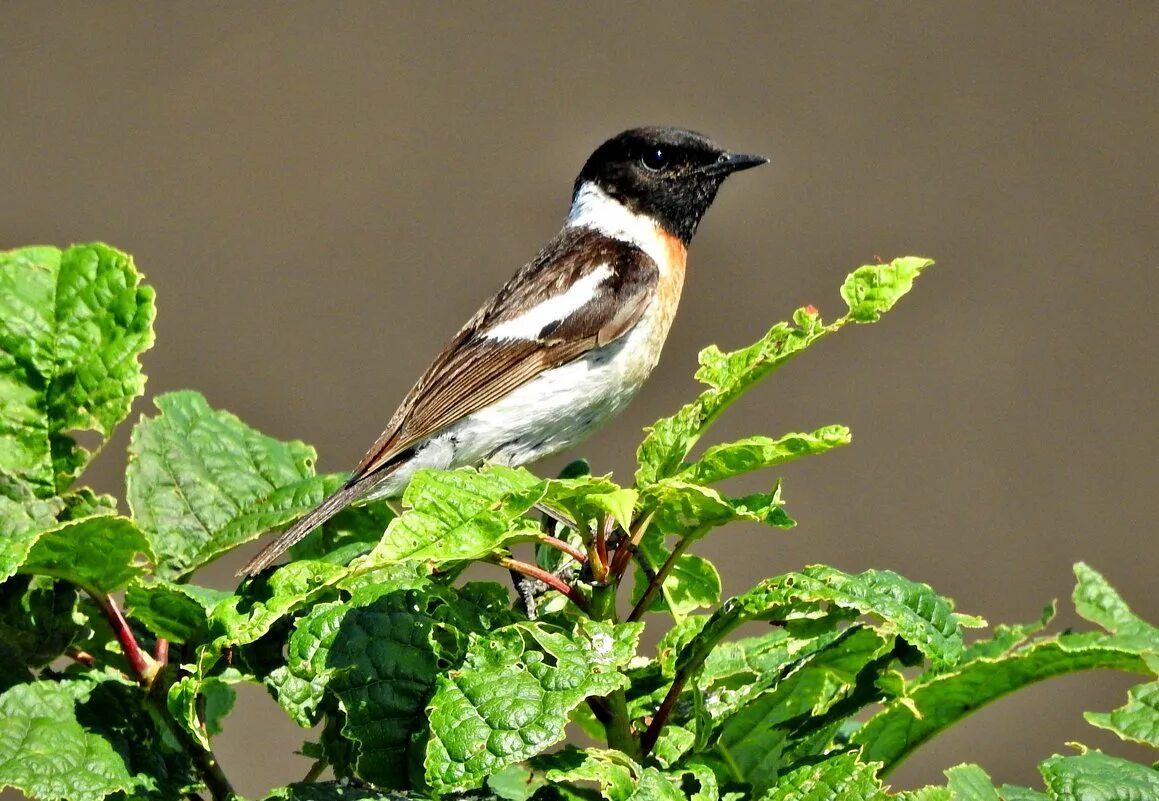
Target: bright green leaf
(460,515)
(201,482)
(940,701)
(612,771)
(757,453)
(1095,776)
(970,783)
(911,610)
(48,754)
(1137,720)
(511,698)
(21,523)
(99,554)
(73,325)
(839,778)
(691,510)
(870,291)
(728,376)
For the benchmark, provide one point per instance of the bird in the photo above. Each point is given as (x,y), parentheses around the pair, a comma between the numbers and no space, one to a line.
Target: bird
(569,340)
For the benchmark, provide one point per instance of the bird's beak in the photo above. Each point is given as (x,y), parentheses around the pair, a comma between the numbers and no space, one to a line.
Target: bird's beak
(728,163)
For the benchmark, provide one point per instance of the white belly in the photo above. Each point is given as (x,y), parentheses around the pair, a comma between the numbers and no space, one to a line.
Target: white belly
(550,413)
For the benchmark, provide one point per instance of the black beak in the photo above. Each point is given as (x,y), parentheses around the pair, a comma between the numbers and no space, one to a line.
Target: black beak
(728,163)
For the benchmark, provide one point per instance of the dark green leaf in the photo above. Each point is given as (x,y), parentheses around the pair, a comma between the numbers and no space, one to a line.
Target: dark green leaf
(379,655)
(73,325)
(511,698)
(38,619)
(177,612)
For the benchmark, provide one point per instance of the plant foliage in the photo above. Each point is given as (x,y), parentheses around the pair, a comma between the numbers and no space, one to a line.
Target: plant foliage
(117,669)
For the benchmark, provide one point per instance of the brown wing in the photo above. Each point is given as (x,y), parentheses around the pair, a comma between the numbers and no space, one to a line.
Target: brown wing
(474,371)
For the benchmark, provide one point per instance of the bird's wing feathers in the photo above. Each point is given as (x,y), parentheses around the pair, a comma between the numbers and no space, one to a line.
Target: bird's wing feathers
(584,290)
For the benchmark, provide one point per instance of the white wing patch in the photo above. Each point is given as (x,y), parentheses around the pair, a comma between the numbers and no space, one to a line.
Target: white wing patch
(553,310)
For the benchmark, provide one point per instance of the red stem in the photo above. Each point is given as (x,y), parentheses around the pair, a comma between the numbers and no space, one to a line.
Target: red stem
(143,665)
(562,545)
(539,574)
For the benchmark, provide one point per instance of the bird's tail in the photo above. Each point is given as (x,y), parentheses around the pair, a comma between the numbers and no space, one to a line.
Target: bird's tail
(321,513)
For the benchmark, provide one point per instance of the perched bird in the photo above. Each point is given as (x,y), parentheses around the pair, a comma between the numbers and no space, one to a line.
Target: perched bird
(569,340)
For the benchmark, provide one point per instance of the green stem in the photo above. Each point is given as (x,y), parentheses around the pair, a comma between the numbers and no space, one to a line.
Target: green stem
(617,725)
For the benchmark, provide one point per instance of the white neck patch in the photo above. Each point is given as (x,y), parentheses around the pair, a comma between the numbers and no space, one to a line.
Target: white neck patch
(596,209)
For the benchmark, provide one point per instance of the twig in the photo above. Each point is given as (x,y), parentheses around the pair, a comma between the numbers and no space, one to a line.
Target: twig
(539,574)
(143,665)
(161,652)
(147,670)
(81,657)
(564,546)
(658,580)
(624,554)
(315,771)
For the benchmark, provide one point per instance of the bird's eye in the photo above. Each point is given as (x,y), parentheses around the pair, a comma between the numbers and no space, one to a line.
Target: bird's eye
(654,158)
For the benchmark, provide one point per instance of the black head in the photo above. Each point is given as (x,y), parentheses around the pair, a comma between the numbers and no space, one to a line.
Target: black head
(669,174)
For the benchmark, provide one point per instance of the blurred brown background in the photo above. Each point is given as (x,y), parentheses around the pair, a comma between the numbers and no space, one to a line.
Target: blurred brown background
(321,194)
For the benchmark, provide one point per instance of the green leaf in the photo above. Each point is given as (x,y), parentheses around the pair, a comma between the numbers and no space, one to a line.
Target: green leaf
(728,376)
(1007,638)
(839,778)
(343,791)
(21,523)
(1095,776)
(245,617)
(971,783)
(201,482)
(587,498)
(511,698)
(350,533)
(786,720)
(757,453)
(39,619)
(460,515)
(692,584)
(934,704)
(868,292)
(691,510)
(1097,601)
(48,754)
(379,654)
(1137,720)
(911,610)
(177,612)
(871,291)
(99,554)
(612,771)
(73,325)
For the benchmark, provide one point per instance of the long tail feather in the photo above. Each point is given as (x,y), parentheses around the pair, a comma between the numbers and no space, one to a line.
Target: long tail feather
(321,513)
